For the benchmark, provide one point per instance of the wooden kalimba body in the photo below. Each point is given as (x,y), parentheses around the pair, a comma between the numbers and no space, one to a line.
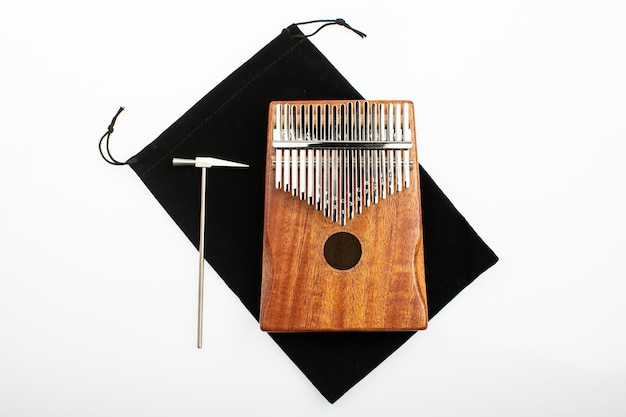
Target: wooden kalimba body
(343,245)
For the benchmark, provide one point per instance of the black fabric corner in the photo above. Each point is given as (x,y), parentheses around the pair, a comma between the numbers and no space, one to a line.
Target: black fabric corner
(230,122)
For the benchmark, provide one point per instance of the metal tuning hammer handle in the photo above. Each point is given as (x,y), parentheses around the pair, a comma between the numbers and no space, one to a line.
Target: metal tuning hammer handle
(203,163)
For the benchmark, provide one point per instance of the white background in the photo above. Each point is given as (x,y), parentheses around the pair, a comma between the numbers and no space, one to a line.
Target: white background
(520,118)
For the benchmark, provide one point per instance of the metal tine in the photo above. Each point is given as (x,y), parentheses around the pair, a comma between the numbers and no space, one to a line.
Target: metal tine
(279,152)
(390,160)
(351,161)
(343,168)
(294,152)
(318,159)
(375,154)
(406,136)
(335,166)
(310,179)
(367,177)
(398,137)
(287,136)
(302,159)
(358,182)
(383,154)
(326,135)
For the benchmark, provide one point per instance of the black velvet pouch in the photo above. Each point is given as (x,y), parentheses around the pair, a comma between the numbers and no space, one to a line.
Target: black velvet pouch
(230,122)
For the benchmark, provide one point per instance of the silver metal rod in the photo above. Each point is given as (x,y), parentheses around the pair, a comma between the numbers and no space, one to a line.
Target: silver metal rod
(383,154)
(326,135)
(310,179)
(201,250)
(318,160)
(302,157)
(350,169)
(366,169)
(287,166)
(279,152)
(326,186)
(397,136)
(335,168)
(293,135)
(318,179)
(338,144)
(343,172)
(356,162)
(273,162)
(375,170)
(406,137)
(390,154)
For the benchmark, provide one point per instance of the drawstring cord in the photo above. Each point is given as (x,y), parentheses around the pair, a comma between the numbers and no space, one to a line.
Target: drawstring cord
(105,140)
(328,22)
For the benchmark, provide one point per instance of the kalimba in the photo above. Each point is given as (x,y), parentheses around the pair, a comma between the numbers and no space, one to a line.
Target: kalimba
(343,245)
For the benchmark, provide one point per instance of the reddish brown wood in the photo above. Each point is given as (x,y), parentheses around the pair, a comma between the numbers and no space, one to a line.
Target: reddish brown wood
(301,292)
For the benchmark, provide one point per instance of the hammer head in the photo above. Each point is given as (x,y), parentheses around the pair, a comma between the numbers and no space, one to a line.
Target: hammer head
(206,162)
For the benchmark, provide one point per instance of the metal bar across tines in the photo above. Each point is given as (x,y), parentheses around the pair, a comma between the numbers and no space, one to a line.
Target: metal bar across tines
(340,157)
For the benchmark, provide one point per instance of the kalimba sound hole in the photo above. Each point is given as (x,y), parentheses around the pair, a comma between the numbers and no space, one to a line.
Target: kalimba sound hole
(342,251)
